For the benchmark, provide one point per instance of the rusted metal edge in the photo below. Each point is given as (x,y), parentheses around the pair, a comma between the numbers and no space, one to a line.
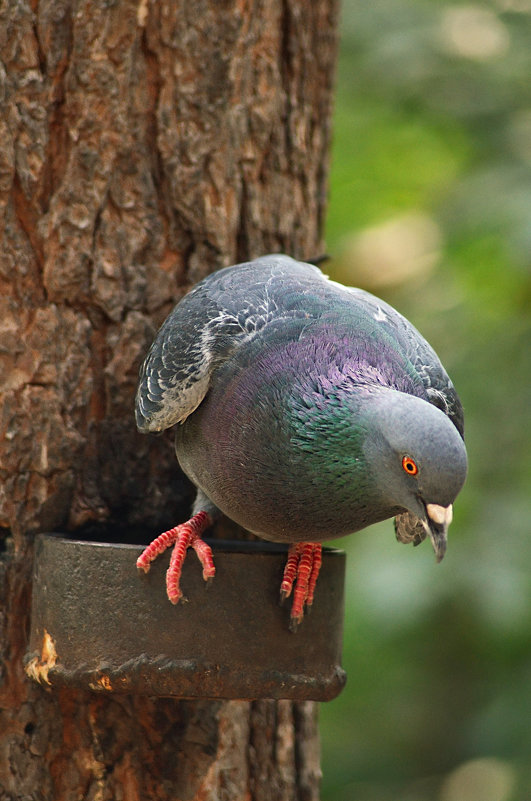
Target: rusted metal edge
(164,677)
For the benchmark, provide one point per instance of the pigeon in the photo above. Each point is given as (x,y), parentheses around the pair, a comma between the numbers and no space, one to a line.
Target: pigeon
(304,410)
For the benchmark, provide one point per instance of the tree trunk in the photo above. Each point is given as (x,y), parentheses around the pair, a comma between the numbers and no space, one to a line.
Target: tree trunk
(142,145)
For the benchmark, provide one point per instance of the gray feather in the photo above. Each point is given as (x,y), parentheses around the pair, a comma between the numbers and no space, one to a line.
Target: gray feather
(229,307)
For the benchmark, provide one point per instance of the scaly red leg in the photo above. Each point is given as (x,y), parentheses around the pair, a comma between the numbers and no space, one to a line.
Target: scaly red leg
(302,566)
(187,535)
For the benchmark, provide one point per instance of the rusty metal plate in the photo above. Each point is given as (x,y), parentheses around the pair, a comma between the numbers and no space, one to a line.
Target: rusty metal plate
(97,623)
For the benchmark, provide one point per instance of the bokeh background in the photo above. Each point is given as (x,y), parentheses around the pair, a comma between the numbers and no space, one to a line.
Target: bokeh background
(430,208)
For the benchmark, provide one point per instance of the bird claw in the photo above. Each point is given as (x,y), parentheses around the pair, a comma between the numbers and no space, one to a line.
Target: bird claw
(181,599)
(182,537)
(300,574)
(302,568)
(294,623)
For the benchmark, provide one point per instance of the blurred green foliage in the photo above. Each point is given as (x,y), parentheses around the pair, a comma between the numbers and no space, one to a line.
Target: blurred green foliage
(430,207)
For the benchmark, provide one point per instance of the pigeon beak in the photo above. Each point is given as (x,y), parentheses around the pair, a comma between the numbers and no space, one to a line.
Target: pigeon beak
(439,518)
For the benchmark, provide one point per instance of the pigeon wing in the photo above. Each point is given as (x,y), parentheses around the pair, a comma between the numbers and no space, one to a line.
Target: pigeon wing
(222,312)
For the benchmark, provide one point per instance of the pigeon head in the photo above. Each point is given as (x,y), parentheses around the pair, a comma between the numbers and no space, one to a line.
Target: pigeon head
(418,460)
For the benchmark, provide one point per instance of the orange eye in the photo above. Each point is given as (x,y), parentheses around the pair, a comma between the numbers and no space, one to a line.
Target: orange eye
(410,466)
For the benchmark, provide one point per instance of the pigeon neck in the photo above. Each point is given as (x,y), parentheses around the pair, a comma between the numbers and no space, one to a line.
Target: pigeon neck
(330,430)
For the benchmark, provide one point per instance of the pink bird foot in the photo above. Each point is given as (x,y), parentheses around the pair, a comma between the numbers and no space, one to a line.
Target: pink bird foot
(302,566)
(187,535)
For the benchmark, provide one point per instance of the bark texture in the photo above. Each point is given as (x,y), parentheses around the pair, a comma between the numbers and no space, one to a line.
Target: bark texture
(143,144)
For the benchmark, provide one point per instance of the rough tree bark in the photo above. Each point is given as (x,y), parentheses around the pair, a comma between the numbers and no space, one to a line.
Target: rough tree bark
(143,144)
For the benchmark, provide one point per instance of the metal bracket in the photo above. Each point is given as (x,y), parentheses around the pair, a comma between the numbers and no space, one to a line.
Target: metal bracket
(97,623)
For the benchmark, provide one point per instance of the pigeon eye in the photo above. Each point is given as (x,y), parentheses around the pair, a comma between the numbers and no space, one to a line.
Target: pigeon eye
(410,466)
